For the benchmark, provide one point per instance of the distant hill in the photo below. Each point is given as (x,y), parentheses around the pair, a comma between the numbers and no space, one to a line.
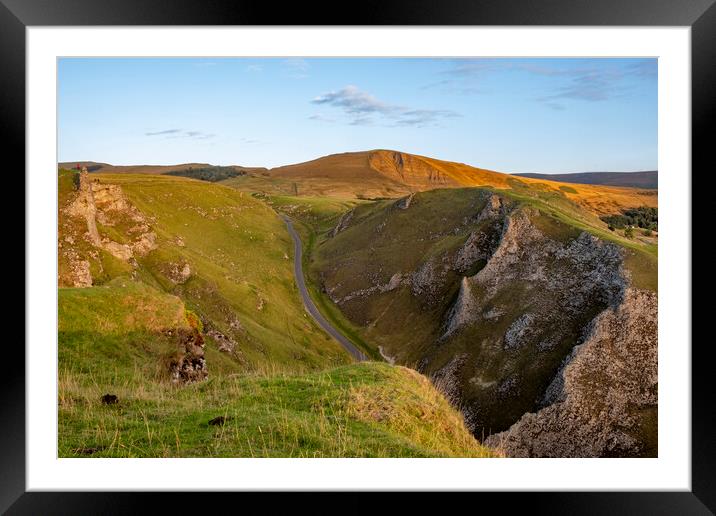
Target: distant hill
(381,173)
(386,173)
(106,168)
(211,174)
(647,179)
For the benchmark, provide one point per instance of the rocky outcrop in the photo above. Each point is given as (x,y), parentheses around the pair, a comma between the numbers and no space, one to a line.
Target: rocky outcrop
(409,170)
(178,273)
(404,202)
(343,223)
(105,204)
(495,207)
(526,309)
(84,206)
(188,365)
(502,294)
(395,281)
(603,401)
(224,343)
(463,311)
(519,331)
(482,243)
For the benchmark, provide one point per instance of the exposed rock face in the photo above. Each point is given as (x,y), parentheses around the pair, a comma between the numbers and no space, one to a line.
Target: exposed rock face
(603,401)
(84,206)
(343,223)
(424,280)
(408,169)
(546,291)
(224,343)
(463,311)
(112,208)
(78,273)
(178,273)
(404,202)
(501,300)
(395,281)
(188,365)
(495,207)
(481,244)
(104,204)
(519,331)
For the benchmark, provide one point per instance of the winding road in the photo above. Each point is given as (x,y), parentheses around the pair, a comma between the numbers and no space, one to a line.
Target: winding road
(308,302)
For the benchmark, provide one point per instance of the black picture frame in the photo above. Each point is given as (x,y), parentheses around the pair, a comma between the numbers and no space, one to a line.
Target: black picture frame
(700,15)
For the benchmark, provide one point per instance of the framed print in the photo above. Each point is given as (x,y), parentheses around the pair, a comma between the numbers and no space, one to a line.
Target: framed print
(417,250)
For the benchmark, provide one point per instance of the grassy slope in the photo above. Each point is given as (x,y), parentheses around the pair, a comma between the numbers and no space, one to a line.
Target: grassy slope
(115,338)
(317,215)
(240,257)
(374,174)
(313,218)
(641,256)
(111,342)
(382,240)
(106,168)
(449,206)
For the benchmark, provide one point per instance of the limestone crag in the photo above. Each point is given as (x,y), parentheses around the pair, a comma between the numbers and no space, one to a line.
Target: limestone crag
(603,401)
(404,202)
(506,301)
(105,204)
(343,223)
(463,311)
(557,288)
(188,365)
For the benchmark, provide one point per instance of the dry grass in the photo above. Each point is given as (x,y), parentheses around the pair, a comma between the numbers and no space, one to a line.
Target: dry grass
(374,174)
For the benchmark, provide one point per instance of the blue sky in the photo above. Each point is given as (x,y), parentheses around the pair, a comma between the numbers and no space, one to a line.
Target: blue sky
(512,115)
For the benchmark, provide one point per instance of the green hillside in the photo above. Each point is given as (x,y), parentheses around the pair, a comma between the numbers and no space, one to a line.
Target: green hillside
(238,258)
(178,296)
(190,273)
(116,339)
(407,279)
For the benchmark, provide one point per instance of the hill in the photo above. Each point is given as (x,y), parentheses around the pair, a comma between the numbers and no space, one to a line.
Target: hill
(106,168)
(509,303)
(212,174)
(391,174)
(512,295)
(181,334)
(119,397)
(380,174)
(647,179)
(224,253)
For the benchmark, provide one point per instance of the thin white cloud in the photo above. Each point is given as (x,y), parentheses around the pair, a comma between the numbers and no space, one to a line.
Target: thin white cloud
(165,131)
(322,118)
(361,108)
(590,83)
(179,133)
(297,67)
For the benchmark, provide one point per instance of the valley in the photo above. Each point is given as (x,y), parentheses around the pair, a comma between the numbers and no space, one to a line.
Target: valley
(490,315)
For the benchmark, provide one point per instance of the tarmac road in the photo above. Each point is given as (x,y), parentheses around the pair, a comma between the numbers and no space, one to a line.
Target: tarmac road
(308,302)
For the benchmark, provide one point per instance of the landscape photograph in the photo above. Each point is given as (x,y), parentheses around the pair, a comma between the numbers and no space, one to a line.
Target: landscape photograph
(357,257)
